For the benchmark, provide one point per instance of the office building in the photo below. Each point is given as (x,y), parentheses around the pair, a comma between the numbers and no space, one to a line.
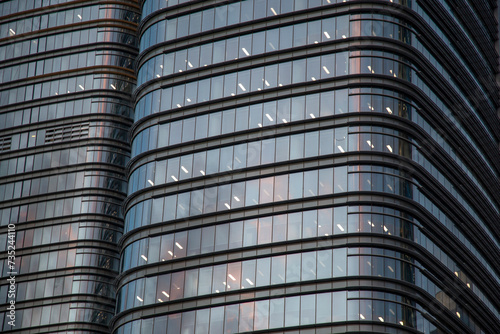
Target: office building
(319,166)
(66,78)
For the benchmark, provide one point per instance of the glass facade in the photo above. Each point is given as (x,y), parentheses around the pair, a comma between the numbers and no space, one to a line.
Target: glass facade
(313,167)
(270,166)
(66,78)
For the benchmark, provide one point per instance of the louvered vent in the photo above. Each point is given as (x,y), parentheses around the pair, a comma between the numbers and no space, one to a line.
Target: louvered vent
(71,132)
(5,143)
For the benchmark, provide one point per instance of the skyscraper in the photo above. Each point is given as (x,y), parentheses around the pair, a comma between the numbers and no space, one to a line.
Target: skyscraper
(296,166)
(66,78)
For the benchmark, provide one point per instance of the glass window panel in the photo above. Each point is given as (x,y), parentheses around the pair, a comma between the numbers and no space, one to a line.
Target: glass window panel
(246,311)
(228,121)
(233,13)
(245,49)
(248,274)
(233,275)
(242,118)
(310,224)
(253,154)
(292,311)
(308,266)
(174,323)
(299,34)
(297,146)
(268,151)
(257,82)
(243,81)
(226,159)
(196,207)
(205,281)
(294,230)
(201,127)
(235,234)
(276,312)
(216,87)
(311,183)
(231,318)
(232,48)
(307,309)
(191,93)
(220,17)
(208,19)
(238,195)
(214,127)
(246,11)
(224,197)
(259,43)
(313,69)
(271,76)
(250,233)
(171,31)
(219,279)
(212,161)
(284,74)
(230,84)
(195,23)
(272,39)
(183,205)
(263,273)
(265,230)
(261,317)
(206,51)
(299,71)
(209,201)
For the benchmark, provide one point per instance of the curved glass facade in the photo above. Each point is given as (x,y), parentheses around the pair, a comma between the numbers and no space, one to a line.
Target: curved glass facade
(66,78)
(269,166)
(313,166)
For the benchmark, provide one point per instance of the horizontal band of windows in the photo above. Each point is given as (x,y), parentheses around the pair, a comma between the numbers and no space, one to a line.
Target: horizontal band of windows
(28,24)
(263,152)
(55,42)
(244,46)
(66,133)
(62,158)
(281,75)
(60,286)
(69,258)
(121,84)
(275,270)
(275,189)
(222,16)
(287,227)
(85,230)
(298,35)
(76,107)
(75,61)
(106,206)
(59,315)
(289,148)
(282,312)
(20,6)
(62,182)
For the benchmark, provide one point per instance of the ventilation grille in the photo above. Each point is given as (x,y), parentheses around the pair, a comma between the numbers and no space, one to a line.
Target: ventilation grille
(5,143)
(76,131)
